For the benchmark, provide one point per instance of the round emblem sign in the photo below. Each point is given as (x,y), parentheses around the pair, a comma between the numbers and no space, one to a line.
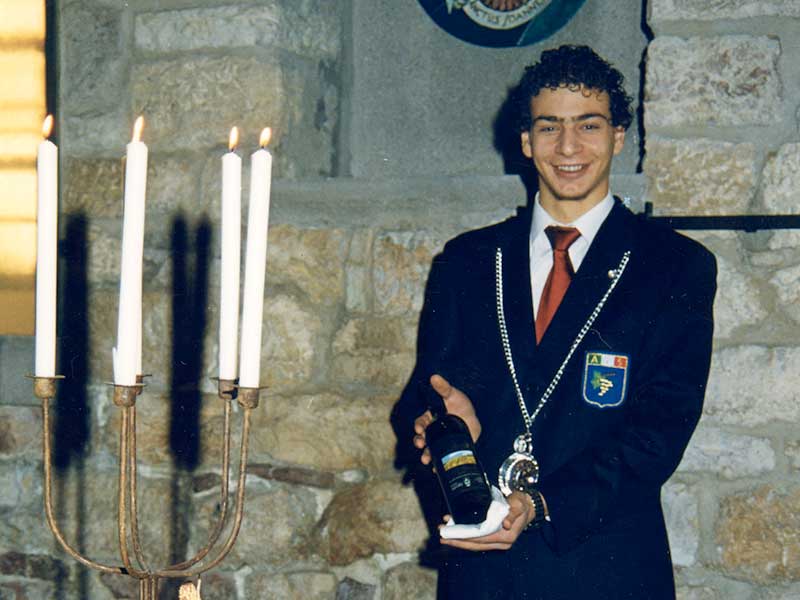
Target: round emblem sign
(501,23)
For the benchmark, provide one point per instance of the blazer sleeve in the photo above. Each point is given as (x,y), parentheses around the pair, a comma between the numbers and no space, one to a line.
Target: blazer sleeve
(437,348)
(614,477)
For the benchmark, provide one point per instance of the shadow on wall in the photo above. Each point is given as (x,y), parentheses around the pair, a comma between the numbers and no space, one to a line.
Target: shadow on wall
(72,431)
(189,297)
(72,416)
(506,137)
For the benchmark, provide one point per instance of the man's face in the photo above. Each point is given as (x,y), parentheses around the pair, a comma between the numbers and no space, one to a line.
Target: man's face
(572,142)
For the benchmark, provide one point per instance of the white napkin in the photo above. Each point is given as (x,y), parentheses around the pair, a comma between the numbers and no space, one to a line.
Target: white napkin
(498,510)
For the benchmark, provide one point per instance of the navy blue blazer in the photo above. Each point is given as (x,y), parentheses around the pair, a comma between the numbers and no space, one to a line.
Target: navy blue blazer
(603,458)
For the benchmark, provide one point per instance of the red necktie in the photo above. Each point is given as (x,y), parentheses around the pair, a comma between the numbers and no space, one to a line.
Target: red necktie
(561,238)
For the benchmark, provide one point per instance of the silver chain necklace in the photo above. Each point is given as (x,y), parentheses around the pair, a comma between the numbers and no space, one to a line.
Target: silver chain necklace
(521,470)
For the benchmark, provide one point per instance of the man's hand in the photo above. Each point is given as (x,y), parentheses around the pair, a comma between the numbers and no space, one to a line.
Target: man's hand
(457,403)
(521,511)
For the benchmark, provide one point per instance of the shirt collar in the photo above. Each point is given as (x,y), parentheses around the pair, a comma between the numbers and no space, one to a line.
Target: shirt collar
(588,223)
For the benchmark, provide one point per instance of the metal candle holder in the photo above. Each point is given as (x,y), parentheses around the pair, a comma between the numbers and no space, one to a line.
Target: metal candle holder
(127,512)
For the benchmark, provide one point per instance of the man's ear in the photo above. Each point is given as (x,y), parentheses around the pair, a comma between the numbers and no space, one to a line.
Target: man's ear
(527,146)
(619,139)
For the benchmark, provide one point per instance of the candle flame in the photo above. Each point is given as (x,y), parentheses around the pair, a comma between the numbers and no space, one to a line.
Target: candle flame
(47,126)
(137,129)
(233,139)
(264,138)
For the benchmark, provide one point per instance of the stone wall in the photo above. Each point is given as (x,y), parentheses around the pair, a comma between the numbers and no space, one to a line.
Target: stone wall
(327,515)
(721,116)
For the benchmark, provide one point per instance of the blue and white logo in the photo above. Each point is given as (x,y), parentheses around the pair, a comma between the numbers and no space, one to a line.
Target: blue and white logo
(605,379)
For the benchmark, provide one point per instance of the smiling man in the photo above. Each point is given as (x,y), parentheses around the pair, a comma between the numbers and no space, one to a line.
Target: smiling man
(574,339)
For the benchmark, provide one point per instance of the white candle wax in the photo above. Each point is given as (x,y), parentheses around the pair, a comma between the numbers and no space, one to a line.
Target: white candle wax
(231,259)
(255,267)
(46,256)
(127,355)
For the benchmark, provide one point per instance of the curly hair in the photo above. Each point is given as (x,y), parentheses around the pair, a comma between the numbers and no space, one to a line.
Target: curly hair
(573,67)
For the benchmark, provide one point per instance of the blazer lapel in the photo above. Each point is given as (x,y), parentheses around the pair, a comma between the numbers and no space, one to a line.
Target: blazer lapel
(586,289)
(517,302)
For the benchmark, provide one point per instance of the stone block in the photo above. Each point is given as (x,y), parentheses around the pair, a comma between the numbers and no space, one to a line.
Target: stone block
(738,302)
(192,103)
(724,80)
(291,586)
(754,385)
(21,485)
(401,261)
(389,518)
(782,240)
(306,28)
(92,187)
(696,593)
(357,272)
(409,580)
(165,427)
(173,187)
(217,27)
(277,524)
(92,135)
(703,10)
(122,587)
(787,288)
(16,361)
(727,455)
(27,590)
(378,352)
(92,42)
(32,566)
(682,519)
(156,334)
(290,337)
(352,589)
(294,475)
(325,432)
(25,530)
(793,454)
(218,586)
(309,259)
(699,176)
(90,503)
(758,534)
(20,431)
(781,180)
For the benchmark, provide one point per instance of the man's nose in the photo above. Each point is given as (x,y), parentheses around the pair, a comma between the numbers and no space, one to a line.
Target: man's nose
(568,141)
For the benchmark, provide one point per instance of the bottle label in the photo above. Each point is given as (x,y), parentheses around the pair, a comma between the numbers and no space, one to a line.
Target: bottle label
(457,459)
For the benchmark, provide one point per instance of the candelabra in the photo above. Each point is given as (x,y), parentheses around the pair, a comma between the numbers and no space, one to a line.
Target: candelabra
(127,512)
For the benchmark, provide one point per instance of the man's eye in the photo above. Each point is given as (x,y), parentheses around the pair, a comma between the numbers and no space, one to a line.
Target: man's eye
(546,129)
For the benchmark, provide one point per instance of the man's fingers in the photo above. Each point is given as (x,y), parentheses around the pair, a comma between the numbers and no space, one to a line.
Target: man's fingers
(441,385)
(475,546)
(518,507)
(426,457)
(421,422)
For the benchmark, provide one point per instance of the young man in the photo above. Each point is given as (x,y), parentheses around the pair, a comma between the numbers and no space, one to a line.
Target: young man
(575,340)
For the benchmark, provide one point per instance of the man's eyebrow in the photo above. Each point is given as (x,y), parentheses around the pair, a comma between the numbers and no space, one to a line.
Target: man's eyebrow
(584,117)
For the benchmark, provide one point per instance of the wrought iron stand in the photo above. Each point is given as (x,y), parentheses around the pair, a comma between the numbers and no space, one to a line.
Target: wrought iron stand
(127,509)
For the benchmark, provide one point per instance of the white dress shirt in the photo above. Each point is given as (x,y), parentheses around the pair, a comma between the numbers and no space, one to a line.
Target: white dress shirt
(541,252)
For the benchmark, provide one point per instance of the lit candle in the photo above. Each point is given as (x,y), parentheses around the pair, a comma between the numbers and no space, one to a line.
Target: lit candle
(255,263)
(128,352)
(46,253)
(231,257)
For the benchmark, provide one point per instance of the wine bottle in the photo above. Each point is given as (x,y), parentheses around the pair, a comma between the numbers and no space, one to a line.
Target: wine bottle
(464,483)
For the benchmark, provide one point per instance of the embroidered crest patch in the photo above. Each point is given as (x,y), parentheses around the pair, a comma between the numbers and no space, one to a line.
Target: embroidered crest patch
(605,377)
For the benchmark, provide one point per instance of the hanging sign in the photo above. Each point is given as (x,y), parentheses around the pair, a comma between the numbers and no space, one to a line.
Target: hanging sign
(501,23)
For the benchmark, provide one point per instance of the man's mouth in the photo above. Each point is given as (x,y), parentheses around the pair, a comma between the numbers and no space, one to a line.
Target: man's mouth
(570,168)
